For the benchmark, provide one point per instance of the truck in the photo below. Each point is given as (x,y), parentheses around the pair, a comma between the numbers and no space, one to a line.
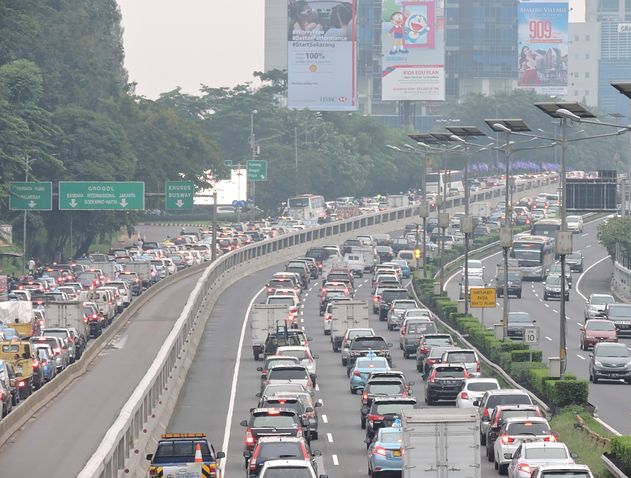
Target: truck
(480,209)
(20,354)
(441,443)
(19,315)
(264,319)
(398,200)
(347,314)
(143,269)
(108,268)
(66,314)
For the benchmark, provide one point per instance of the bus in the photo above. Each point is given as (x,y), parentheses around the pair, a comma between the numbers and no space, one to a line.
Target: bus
(534,255)
(309,208)
(546,227)
(453,180)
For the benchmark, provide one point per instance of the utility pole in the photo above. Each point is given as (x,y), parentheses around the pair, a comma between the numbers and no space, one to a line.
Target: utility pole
(214,240)
(253,148)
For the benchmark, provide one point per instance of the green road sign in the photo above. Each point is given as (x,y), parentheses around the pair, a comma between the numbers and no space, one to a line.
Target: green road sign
(30,196)
(178,195)
(101,195)
(257,170)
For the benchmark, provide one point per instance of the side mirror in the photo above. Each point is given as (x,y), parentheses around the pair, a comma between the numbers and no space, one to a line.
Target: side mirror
(309,409)
(259,369)
(544,282)
(316,453)
(411,383)
(476,403)
(318,404)
(219,455)
(258,394)
(251,410)
(389,345)
(574,455)
(246,454)
(315,356)
(243,423)
(367,441)
(591,356)
(149,456)
(534,321)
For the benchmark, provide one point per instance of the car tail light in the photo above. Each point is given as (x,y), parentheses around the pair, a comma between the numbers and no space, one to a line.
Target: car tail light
(402,331)
(524,468)
(431,361)
(477,369)
(550,438)
(35,363)
(432,377)
(57,350)
(376,298)
(1,396)
(364,396)
(253,458)
(464,395)
(379,450)
(485,413)
(505,439)
(357,373)
(423,351)
(269,290)
(374,418)
(21,384)
(249,439)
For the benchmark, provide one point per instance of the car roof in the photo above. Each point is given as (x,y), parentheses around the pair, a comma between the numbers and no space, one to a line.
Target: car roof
(512,420)
(400,399)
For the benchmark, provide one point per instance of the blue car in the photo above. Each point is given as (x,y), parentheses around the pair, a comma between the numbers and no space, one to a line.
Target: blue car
(405,268)
(362,369)
(46,363)
(384,450)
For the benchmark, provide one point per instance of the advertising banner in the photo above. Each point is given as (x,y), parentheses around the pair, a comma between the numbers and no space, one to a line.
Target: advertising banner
(413,51)
(543,44)
(321,55)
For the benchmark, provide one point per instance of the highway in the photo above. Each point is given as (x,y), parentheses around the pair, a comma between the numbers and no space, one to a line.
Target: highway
(71,427)
(611,398)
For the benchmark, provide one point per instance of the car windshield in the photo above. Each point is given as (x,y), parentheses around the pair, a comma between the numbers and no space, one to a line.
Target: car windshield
(450,372)
(271,450)
(519,414)
(574,255)
(475,282)
(417,313)
(287,374)
(278,362)
(506,399)
(385,388)
(482,386)
(461,357)
(272,421)
(528,428)
(376,362)
(376,344)
(391,436)
(299,354)
(566,474)
(612,351)
(526,254)
(475,264)
(600,325)
(281,299)
(390,295)
(519,317)
(180,451)
(545,453)
(554,280)
(601,300)
(359,333)
(619,311)
(385,408)
(421,327)
(288,472)
(438,341)
(405,305)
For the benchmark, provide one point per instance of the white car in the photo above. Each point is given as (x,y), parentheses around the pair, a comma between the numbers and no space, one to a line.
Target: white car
(575,223)
(476,269)
(511,434)
(473,389)
(596,304)
(530,455)
(288,468)
(304,355)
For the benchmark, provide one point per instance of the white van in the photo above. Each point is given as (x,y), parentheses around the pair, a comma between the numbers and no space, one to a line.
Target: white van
(408,256)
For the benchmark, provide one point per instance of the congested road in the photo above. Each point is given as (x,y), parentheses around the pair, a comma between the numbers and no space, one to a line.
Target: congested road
(611,398)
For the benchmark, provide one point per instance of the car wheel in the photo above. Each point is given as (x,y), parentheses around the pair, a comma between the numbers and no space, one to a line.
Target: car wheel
(344,362)
(489,454)
(348,372)
(429,400)
(389,327)
(256,356)
(482,439)
(406,355)
(363,423)
(314,435)
(503,469)
(545,297)
(419,368)
(519,295)
(369,471)
(495,463)
(595,378)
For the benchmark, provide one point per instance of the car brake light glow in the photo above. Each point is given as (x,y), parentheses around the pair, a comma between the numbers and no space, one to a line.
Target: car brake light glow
(550,438)
(374,418)
(273,412)
(249,439)
(432,377)
(525,468)
(365,396)
(21,384)
(485,413)
(379,450)
(464,395)
(505,439)
(477,366)
(35,363)
(357,373)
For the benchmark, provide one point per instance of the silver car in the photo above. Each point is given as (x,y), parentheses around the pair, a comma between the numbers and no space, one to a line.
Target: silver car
(596,304)
(348,338)
(397,309)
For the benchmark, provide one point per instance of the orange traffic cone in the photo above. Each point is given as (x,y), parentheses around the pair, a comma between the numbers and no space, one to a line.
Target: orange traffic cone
(198,453)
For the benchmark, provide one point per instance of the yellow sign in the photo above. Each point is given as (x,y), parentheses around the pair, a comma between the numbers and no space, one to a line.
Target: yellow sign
(482,297)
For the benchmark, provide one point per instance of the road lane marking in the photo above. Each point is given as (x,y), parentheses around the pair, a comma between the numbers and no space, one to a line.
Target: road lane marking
(580,356)
(325,419)
(547,305)
(555,311)
(335,460)
(584,235)
(588,246)
(329,437)
(302,320)
(548,338)
(306,295)
(580,278)
(359,285)
(235,379)
(317,387)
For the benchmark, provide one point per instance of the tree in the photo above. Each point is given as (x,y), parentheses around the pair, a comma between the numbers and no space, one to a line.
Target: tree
(616,230)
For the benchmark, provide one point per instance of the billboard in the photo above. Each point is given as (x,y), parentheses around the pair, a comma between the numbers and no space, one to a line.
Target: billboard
(413,51)
(543,46)
(321,36)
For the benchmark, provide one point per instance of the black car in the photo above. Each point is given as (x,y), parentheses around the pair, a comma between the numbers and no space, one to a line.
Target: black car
(360,346)
(386,299)
(384,411)
(270,422)
(610,361)
(575,261)
(620,315)
(444,382)
(517,323)
(380,387)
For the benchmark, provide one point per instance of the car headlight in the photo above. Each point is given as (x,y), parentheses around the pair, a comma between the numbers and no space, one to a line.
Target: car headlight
(627,365)
(598,364)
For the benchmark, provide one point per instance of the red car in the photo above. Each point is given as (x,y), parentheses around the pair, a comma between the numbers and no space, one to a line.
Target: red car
(597,330)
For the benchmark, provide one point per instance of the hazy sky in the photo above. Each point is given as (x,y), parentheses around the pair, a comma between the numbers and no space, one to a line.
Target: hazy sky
(170,43)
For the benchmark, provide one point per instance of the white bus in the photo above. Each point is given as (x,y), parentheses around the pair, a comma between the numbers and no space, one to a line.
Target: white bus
(534,255)
(452,180)
(308,208)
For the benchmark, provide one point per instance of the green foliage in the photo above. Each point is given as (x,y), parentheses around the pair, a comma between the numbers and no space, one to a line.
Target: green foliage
(621,449)
(566,392)
(520,370)
(616,230)
(526,356)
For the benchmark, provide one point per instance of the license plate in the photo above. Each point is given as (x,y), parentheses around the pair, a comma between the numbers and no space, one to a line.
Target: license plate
(396,453)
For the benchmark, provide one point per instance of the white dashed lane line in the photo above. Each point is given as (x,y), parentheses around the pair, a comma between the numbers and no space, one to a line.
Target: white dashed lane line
(555,311)
(336,462)
(548,338)
(580,356)
(329,437)
(547,305)
(325,419)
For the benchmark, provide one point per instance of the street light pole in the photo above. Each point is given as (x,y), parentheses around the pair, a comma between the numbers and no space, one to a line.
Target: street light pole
(253,148)
(562,197)
(27,166)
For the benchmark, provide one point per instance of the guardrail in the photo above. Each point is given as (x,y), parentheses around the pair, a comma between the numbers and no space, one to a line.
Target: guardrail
(142,414)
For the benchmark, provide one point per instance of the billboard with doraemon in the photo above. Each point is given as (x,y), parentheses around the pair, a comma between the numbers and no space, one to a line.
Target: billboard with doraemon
(321,55)
(543,46)
(413,51)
